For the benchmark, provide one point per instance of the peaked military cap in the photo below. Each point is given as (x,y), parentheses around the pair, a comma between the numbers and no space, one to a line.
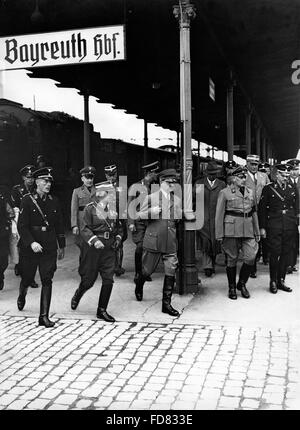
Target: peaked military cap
(294,162)
(152,167)
(253,158)
(283,167)
(43,173)
(27,170)
(239,171)
(264,165)
(110,170)
(87,170)
(230,164)
(169,174)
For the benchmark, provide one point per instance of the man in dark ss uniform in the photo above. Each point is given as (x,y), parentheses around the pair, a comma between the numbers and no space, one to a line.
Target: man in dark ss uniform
(41,230)
(237,229)
(102,233)
(17,194)
(278,220)
(136,195)
(6,216)
(111,174)
(295,181)
(81,196)
(162,210)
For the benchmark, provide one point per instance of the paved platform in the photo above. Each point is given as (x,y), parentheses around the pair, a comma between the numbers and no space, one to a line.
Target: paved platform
(218,354)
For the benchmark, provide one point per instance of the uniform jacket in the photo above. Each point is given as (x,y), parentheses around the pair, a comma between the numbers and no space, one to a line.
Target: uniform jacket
(32,227)
(6,215)
(98,223)
(160,235)
(137,191)
(210,203)
(279,213)
(18,192)
(262,179)
(228,225)
(80,198)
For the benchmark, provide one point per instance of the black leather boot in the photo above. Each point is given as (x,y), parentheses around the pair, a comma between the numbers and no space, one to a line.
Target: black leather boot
(282,266)
(103,302)
(231,276)
(139,284)
(253,270)
(1,283)
(167,294)
(22,296)
(243,278)
(45,306)
(77,296)
(273,266)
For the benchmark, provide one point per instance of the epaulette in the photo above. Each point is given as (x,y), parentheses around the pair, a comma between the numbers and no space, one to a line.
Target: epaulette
(27,194)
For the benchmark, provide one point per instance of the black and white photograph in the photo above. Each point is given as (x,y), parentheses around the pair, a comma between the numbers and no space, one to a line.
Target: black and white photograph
(149,208)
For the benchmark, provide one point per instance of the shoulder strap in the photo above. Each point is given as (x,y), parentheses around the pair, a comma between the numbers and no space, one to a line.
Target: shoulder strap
(39,209)
(277,193)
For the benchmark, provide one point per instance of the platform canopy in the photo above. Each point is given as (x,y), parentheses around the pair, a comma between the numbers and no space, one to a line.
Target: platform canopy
(255,39)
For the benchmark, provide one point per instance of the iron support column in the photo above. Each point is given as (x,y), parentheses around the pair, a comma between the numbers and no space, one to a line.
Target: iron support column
(185,12)
(230,120)
(145,141)
(248,131)
(257,141)
(86,134)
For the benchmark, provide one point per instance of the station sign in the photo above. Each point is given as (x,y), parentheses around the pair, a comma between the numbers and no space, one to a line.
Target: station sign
(88,45)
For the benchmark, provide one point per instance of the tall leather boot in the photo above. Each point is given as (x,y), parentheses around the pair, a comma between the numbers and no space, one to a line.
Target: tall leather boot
(103,302)
(77,296)
(273,267)
(45,305)
(243,278)
(139,284)
(231,276)
(22,296)
(138,262)
(167,294)
(253,269)
(282,266)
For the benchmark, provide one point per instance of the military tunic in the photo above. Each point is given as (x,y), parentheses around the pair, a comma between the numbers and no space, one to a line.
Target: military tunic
(49,233)
(160,235)
(103,224)
(237,224)
(278,215)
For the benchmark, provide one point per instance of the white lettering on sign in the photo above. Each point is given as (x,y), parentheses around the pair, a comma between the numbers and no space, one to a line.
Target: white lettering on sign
(64,47)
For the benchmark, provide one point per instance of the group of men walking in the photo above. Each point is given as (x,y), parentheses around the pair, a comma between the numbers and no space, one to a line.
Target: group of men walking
(247,214)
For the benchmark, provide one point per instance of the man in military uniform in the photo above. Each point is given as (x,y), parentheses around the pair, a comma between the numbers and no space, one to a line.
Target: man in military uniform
(237,229)
(263,249)
(111,174)
(278,219)
(136,195)
(6,216)
(102,234)
(256,181)
(162,210)
(295,181)
(41,230)
(265,168)
(17,194)
(81,196)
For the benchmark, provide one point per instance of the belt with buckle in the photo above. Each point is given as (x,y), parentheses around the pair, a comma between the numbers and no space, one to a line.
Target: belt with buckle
(240,214)
(40,228)
(105,235)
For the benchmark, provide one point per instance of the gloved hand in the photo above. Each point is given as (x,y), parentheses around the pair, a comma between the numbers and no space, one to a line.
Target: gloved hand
(117,243)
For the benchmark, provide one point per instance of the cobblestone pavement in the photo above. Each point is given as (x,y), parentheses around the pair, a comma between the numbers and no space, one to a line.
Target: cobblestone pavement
(86,364)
